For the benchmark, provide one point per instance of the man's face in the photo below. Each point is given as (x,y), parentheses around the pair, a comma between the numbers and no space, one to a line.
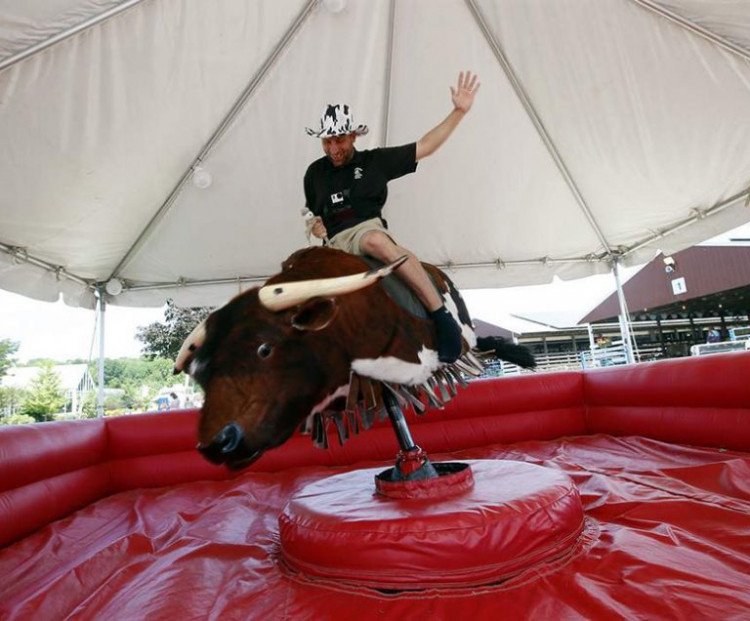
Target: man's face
(339,149)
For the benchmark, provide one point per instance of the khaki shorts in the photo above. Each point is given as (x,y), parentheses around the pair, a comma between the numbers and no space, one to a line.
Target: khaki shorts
(350,239)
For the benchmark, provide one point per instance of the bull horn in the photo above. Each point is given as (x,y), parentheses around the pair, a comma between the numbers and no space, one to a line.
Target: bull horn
(284,295)
(192,342)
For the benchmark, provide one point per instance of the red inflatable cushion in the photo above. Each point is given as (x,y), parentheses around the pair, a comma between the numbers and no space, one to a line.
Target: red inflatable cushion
(516,516)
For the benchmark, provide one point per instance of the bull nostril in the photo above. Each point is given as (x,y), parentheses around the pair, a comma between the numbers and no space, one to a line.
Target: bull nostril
(229,438)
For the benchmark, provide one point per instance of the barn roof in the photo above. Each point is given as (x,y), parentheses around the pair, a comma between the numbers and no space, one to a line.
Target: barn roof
(704,279)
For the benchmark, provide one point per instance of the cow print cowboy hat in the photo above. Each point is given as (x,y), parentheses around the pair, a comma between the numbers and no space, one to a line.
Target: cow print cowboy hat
(337,120)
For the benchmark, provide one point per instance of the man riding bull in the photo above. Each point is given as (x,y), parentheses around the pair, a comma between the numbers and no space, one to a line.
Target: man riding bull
(347,189)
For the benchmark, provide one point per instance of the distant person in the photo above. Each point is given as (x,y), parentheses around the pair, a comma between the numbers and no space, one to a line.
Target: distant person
(174,401)
(714,336)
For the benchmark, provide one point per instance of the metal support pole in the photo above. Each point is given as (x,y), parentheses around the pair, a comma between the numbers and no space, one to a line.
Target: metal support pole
(661,337)
(396,416)
(624,315)
(592,346)
(412,462)
(694,340)
(100,392)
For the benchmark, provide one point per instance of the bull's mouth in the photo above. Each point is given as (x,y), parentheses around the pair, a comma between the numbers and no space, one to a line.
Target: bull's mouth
(241,457)
(229,447)
(241,464)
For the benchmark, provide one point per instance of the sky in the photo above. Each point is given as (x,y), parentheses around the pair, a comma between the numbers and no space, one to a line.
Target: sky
(559,303)
(57,331)
(54,330)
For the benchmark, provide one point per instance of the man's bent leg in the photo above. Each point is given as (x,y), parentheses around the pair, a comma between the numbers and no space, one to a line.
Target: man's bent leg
(379,245)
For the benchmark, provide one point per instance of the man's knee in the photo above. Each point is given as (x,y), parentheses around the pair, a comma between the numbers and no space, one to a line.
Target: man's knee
(377,244)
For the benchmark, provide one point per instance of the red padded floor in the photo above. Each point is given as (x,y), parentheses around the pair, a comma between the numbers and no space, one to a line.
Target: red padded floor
(669,539)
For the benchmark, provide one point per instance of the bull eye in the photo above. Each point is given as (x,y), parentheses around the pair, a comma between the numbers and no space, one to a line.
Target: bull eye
(264,350)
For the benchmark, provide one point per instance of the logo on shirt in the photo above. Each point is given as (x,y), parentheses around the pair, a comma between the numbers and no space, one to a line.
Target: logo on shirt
(358,173)
(338,197)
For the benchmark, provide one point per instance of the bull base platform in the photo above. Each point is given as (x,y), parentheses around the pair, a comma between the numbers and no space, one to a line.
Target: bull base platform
(507,517)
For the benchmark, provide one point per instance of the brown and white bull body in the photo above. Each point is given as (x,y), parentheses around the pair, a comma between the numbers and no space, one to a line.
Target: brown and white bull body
(273,356)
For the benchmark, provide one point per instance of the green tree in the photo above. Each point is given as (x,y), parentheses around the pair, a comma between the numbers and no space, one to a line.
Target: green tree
(129,372)
(139,378)
(38,362)
(46,396)
(11,399)
(134,397)
(88,407)
(17,419)
(7,349)
(163,339)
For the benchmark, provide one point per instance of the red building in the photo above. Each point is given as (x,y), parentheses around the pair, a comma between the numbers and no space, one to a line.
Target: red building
(675,300)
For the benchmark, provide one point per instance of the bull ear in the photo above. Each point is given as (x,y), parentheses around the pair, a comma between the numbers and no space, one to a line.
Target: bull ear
(315,314)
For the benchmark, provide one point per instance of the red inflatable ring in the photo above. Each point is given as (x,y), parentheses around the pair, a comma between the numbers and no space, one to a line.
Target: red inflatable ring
(516,516)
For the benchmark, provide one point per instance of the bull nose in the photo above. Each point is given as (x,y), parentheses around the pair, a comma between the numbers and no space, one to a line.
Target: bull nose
(229,439)
(225,444)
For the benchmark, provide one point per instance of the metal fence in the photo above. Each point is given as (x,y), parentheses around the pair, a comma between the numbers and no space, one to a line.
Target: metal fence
(569,361)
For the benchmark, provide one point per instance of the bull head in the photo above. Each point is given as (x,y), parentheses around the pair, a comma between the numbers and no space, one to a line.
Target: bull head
(267,360)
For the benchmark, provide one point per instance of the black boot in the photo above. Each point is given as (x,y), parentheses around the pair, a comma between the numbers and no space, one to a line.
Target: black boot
(448,335)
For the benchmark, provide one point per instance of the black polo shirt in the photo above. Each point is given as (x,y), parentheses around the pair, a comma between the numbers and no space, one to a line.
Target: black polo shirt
(357,191)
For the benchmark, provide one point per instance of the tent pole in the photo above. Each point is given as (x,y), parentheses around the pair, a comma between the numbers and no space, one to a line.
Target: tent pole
(237,107)
(534,117)
(100,391)
(695,28)
(624,316)
(388,72)
(61,36)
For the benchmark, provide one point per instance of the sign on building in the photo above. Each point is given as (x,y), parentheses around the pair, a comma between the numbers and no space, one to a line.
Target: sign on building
(679,286)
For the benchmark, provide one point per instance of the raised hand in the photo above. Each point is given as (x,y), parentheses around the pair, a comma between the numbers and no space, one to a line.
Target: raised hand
(463,94)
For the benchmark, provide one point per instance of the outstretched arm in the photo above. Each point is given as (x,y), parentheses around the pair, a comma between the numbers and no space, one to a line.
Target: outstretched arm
(463,98)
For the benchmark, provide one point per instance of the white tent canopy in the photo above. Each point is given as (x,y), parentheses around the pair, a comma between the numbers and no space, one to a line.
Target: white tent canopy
(603,129)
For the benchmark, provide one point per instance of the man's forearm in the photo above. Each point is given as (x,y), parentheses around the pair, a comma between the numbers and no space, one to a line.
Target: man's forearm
(462,97)
(433,139)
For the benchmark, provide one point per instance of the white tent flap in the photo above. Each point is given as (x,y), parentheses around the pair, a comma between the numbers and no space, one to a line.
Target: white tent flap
(602,128)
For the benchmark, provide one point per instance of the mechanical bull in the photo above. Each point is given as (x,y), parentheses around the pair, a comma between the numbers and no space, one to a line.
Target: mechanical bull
(321,342)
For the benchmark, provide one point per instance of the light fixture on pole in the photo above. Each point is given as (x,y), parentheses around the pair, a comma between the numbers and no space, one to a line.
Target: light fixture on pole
(334,6)
(201,178)
(113,286)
